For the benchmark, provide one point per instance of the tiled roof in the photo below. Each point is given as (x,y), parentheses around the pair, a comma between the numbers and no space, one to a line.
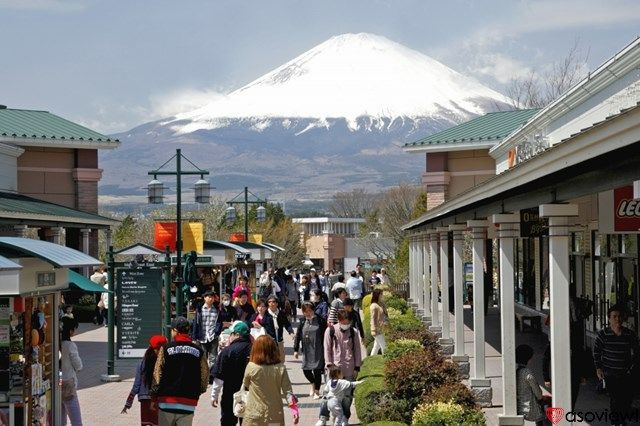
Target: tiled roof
(21,123)
(490,127)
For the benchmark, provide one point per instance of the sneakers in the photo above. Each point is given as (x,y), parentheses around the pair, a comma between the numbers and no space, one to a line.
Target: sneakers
(321,422)
(316,396)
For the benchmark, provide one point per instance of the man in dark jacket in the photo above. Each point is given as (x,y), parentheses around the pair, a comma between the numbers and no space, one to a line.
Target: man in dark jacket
(354,316)
(228,371)
(275,322)
(179,377)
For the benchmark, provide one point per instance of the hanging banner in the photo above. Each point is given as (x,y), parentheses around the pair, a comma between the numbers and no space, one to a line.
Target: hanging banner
(255,238)
(165,234)
(193,237)
(627,210)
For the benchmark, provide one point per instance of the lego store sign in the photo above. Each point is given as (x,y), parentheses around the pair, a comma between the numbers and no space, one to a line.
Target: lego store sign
(627,210)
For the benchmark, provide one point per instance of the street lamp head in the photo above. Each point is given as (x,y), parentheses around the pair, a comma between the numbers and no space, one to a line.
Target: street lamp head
(154,191)
(261,213)
(203,191)
(230,213)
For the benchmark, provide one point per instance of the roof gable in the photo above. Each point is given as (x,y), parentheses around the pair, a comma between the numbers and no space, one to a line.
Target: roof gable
(491,127)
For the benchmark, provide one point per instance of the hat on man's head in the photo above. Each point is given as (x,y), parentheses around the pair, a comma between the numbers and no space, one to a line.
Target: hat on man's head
(180,324)
(240,327)
(156,341)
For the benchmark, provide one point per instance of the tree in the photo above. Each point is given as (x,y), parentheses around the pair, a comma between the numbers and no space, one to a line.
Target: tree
(538,91)
(125,233)
(355,203)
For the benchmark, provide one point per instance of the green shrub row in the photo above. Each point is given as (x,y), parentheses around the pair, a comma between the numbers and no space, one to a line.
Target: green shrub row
(412,383)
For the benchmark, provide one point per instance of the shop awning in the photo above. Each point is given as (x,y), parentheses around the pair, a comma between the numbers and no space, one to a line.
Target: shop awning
(83,283)
(21,209)
(273,246)
(55,254)
(215,244)
(251,245)
(139,248)
(8,265)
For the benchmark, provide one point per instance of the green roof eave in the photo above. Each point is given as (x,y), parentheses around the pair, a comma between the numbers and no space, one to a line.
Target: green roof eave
(84,283)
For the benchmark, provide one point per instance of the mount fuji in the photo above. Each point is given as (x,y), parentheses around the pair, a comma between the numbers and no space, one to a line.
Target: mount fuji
(332,119)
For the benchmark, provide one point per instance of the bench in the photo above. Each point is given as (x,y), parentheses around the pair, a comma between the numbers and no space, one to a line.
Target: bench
(527,316)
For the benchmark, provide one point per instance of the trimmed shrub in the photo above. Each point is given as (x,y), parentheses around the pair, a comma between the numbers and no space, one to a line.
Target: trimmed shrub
(396,302)
(406,322)
(387,423)
(366,398)
(446,414)
(400,347)
(372,366)
(415,374)
(456,393)
(422,335)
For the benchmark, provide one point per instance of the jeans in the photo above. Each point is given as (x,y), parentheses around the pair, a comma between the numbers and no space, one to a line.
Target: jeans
(335,408)
(378,343)
(71,408)
(211,350)
(620,390)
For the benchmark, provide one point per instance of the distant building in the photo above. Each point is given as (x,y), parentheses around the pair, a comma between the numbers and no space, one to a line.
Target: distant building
(331,240)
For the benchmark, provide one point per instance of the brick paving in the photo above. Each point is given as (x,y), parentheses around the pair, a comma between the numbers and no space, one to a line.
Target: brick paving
(101,403)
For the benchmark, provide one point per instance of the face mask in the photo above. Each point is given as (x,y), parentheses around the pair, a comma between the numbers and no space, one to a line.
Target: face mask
(226,302)
(345,327)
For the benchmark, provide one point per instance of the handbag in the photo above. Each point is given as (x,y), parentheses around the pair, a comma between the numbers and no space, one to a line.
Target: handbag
(240,403)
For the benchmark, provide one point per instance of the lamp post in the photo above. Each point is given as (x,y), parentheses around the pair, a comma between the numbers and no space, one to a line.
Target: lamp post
(155,194)
(261,211)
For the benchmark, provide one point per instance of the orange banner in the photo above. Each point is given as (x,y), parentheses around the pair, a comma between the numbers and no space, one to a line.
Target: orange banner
(165,234)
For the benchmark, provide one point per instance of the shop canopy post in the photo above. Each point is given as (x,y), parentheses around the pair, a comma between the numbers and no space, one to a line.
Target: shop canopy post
(111,376)
(167,294)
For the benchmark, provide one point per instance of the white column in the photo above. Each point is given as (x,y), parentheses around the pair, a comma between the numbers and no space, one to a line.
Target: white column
(85,247)
(435,316)
(459,354)
(558,215)
(20,230)
(507,233)
(444,281)
(419,286)
(411,273)
(426,279)
(56,234)
(479,380)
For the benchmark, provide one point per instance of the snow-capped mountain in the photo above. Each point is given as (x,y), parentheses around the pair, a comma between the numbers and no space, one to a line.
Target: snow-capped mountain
(330,119)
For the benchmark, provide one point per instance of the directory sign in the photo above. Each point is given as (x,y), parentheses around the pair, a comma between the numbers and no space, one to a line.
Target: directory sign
(139,307)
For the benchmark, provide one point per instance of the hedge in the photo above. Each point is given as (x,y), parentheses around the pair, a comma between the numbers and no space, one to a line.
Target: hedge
(446,414)
(387,423)
(366,398)
(372,366)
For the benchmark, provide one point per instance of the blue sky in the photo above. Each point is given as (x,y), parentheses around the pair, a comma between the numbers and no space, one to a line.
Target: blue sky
(115,64)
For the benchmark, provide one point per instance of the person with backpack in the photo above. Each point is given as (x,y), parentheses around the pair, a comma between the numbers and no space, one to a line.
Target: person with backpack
(342,349)
(310,334)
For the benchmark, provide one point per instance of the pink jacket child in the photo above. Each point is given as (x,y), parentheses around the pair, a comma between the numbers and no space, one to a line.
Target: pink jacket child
(243,284)
(343,349)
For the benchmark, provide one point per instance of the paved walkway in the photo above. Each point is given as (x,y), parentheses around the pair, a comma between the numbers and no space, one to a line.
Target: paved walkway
(101,403)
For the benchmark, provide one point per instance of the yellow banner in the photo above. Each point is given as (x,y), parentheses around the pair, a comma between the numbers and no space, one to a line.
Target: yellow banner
(193,237)
(255,238)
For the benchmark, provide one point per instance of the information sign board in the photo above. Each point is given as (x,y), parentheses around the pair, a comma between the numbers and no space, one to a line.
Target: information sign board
(139,304)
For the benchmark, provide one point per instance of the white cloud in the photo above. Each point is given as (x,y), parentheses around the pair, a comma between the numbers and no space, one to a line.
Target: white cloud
(45,5)
(178,101)
(500,67)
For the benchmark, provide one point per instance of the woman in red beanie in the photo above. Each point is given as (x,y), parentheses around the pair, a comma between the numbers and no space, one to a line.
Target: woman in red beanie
(142,383)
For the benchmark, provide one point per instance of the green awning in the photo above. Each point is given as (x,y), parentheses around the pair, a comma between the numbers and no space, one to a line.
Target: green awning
(83,283)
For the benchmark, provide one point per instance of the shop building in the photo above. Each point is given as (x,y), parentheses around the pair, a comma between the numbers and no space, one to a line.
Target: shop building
(562,212)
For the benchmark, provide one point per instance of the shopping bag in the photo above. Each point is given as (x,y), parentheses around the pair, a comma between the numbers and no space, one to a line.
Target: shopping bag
(240,403)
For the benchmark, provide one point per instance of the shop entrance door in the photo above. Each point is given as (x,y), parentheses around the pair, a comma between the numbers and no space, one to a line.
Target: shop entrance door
(626,267)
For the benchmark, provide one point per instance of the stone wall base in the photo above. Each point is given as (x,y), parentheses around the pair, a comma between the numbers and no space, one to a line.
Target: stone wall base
(483,395)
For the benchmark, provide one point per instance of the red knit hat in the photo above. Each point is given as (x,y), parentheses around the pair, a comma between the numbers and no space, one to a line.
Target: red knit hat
(156,341)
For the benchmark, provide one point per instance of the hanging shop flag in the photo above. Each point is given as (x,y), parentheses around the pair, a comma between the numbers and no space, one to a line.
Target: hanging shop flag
(255,238)
(165,234)
(627,210)
(193,237)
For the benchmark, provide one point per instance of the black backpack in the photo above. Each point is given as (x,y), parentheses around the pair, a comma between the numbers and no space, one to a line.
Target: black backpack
(332,334)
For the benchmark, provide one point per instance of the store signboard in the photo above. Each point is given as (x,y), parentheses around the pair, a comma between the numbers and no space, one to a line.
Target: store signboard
(139,293)
(626,210)
(531,224)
